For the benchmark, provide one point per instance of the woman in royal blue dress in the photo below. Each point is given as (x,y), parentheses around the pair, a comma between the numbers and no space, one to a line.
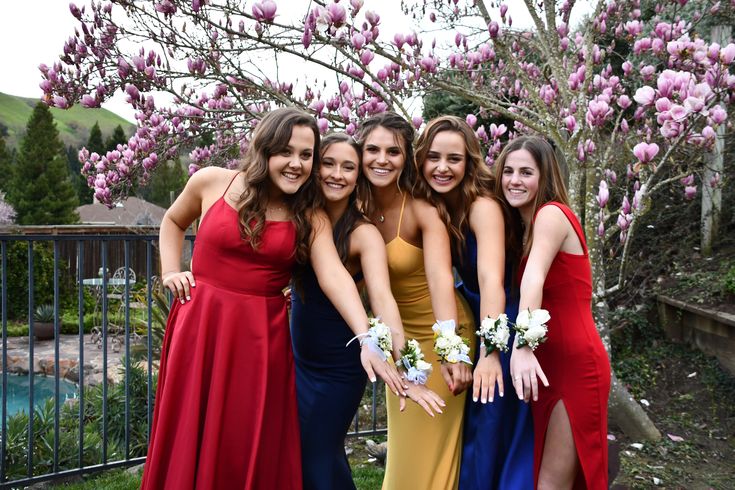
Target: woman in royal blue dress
(497,447)
(331,378)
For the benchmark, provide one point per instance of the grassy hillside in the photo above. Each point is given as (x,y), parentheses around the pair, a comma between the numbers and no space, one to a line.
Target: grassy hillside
(73,124)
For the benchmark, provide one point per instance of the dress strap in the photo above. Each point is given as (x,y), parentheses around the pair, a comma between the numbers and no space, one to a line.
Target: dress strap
(572,219)
(230,184)
(400,217)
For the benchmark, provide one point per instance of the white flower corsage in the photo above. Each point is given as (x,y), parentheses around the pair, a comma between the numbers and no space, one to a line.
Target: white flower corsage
(531,327)
(412,360)
(494,333)
(378,338)
(449,346)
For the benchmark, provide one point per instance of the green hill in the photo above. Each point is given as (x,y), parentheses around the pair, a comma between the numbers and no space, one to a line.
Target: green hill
(73,124)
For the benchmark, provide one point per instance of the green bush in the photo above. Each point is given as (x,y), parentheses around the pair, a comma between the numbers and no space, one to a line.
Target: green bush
(43,276)
(728,281)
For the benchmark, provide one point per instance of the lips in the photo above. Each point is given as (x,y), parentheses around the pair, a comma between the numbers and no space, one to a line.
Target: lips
(334,185)
(442,179)
(380,171)
(291,176)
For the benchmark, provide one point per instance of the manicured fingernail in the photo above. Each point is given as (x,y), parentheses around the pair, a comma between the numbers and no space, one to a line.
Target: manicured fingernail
(501,394)
(188,298)
(373,380)
(484,400)
(182,301)
(474,398)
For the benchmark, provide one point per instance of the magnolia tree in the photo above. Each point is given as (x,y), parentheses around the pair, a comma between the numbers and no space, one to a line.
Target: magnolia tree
(621,93)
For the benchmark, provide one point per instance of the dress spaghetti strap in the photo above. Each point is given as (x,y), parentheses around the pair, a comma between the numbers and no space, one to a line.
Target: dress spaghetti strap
(400,217)
(229,185)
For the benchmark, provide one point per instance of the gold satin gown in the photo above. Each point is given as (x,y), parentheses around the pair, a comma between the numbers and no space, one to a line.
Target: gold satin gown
(424,453)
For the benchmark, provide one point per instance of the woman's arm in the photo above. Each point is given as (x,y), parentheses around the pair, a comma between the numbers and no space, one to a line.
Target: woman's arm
(438,266)
(487,223)
(181,214)
(549,232)
(338,286)
(369,244)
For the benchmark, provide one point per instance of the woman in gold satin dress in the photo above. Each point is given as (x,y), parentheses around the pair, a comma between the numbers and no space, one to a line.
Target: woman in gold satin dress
(423,452)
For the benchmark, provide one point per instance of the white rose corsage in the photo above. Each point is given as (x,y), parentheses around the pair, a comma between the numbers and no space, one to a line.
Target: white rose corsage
(494,333)
(378,338)
(449,346)
(412,361)
(531,327)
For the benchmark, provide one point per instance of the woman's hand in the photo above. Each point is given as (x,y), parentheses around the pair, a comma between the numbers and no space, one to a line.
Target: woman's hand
(458,376)
(373,364)
(425,398)
(180,284)
(524,368)
(488,373)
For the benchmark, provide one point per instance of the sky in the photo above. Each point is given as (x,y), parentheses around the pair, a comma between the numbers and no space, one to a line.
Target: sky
(34,31)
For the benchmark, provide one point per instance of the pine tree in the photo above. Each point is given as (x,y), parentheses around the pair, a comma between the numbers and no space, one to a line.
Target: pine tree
(41,190)
(168,177)
(95,142)
(117,137)
(6,167)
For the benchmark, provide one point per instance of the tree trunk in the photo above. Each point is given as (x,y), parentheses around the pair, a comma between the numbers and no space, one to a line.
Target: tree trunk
(624,411)
(712,195)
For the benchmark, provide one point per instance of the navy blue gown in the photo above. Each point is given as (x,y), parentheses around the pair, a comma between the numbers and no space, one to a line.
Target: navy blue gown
(497,450)
(330,382)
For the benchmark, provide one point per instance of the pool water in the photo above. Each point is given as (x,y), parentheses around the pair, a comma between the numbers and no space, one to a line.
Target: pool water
(43,388)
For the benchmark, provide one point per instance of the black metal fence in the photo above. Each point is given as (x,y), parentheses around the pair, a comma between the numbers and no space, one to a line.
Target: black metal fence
(107,424)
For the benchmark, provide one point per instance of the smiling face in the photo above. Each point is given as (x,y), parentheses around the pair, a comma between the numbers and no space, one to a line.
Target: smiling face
(520,179)
(446,162)
(289,169)
(382,158)
(338,171)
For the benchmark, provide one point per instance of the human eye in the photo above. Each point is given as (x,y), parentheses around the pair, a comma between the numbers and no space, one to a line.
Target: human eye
(306,155)
(507,171)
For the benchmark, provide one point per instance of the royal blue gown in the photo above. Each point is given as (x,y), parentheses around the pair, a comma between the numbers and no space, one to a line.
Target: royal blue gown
(330,382)
(497,450)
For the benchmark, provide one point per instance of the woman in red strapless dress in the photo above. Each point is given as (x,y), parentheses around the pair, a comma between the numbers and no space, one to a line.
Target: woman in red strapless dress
(570,404)
(225,413)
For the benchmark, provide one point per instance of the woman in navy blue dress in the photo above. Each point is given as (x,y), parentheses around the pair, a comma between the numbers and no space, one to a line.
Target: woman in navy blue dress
(497,449)
(331,378)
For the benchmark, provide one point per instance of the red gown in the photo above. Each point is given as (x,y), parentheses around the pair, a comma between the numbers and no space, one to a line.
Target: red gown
(575,363)
(225,413)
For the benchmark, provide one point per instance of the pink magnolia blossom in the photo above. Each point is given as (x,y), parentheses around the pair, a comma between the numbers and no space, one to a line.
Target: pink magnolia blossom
(417,121)
(265,10)
(471,120)
(645,96)
(690,192)
(645,152)
(603,194)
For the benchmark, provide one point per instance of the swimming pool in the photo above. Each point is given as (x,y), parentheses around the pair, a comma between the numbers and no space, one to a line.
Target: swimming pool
(43,388)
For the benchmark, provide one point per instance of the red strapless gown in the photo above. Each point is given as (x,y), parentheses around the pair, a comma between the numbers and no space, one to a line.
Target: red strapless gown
(225,414)
(575,363)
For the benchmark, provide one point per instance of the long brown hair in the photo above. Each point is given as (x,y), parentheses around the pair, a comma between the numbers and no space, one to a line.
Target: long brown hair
(404,133)
(271,136)
(477,180)
(352,215)
(550,187)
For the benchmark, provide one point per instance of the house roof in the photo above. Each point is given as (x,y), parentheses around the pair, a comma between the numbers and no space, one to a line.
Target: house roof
(131,212)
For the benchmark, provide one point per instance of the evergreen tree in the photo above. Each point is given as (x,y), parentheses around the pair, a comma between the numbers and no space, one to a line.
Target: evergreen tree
(41,190)
(95,143)
(117,137)
(6,167)
(169,176)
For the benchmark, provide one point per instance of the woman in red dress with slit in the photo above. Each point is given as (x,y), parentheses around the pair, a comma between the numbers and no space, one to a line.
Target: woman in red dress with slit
(570,404)
(225,414)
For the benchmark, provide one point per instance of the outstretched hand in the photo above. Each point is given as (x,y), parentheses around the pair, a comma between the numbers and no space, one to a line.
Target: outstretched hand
(424,397)
(488,373)
(458,376)
(526,371)
(374,365)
